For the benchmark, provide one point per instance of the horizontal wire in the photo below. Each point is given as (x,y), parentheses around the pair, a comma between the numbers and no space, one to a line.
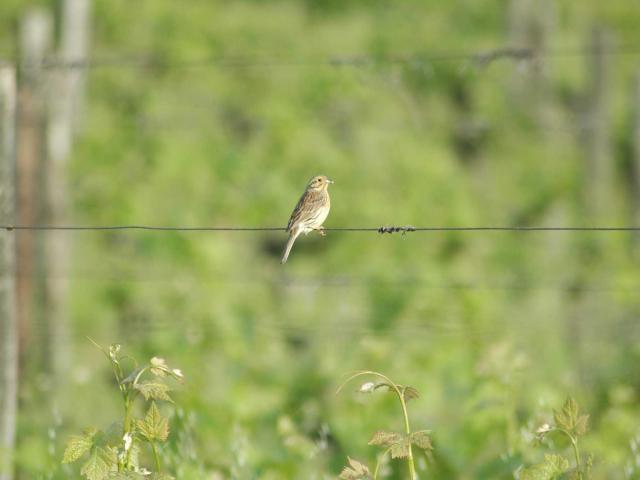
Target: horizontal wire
(382,229)
(139,227)
(482,58)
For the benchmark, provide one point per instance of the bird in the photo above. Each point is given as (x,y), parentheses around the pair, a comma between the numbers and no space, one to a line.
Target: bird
(310,212)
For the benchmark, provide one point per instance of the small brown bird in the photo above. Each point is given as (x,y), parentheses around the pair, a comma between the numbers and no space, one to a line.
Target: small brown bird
(310,212)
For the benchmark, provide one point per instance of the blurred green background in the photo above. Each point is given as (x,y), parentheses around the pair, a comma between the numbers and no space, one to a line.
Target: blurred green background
(493,328)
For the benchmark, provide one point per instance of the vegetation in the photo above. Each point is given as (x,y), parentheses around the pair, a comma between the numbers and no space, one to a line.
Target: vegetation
(571,424)
(115,452)
(399,445)
(494,328)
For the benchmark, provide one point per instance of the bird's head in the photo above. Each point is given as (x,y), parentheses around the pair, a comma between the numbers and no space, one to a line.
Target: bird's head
(320,182)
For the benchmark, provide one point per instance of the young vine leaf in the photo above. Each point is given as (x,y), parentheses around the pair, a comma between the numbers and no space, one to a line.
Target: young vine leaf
(78,445)
(410,393)
(385,439)
(159,366)
(382,385)
(552,467)
(154,390)
(355,471)
(401,449)
(154,426)
(422,439)
(99,464)
(569,418)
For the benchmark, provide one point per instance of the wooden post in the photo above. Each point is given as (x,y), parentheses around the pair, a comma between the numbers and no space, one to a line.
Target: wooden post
(530,24)
(597,186)
(74,47)
(596,129)
(8,315)
(635,185)
(66,83)
(35,35)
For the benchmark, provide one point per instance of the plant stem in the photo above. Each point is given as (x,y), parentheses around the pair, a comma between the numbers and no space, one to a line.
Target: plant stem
(128,394)
(155,456)
(117,372)
(412,467)
(400,394)
(126,426)
(142,370)
(576,452)
(375,472)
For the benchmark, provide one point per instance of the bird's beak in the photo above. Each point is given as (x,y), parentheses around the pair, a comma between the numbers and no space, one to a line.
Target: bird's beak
(330,181)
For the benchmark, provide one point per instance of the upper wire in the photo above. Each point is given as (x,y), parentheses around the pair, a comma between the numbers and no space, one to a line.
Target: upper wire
(381,229)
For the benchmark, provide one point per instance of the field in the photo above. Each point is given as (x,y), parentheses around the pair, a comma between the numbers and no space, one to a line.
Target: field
(458,113)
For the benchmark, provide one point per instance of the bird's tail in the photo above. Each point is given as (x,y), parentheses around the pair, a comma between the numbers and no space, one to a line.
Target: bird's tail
(292,238)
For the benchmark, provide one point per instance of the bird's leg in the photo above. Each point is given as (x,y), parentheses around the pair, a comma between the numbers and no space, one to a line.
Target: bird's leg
(321,231)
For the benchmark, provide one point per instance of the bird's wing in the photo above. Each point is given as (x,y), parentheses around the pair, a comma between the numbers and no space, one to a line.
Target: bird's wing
(307,206)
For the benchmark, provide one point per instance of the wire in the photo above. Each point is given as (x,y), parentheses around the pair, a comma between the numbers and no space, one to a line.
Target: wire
(138,227)
(481,58)
(381,230)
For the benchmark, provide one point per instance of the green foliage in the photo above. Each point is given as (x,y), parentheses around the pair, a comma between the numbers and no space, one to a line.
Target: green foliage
(570,420)
(115,452)
(571,423)
(100,463)
(553,466)
(154,427)
(437,143)
(385,439)
(355,471)
(398,444)
(421,439)
(78,445)
(154,390)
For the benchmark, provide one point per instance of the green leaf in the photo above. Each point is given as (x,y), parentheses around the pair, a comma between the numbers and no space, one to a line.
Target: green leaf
(422,439)
(385,439)
(567,417)
(410,393)
(154,426)
(382,385)
(109,455)
(154,390)
(355,471)
(556,463)
(96,468)
(398,443)
(401,449)
(158,366)
(552,467)
(77,446)
(582,425)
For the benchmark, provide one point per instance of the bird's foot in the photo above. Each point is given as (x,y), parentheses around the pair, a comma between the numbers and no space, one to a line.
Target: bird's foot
(322,232)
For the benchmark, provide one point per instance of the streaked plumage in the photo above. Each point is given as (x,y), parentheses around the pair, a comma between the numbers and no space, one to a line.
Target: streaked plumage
(310,212)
